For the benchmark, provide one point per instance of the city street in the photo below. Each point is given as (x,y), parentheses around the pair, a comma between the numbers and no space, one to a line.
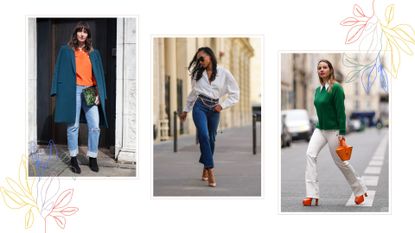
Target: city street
(237,170)
(370,159)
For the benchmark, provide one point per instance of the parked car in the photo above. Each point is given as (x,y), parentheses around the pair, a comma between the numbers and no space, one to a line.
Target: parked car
(355,125)
(298,123)
(313,122)
(382,122)
(385,122)
(286,138)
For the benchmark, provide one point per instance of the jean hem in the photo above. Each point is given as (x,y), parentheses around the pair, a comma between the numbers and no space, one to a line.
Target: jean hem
(207,166)
(92,154)
(73,153)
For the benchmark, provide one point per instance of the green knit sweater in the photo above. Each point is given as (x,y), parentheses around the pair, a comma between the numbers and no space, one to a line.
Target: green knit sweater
(330,108)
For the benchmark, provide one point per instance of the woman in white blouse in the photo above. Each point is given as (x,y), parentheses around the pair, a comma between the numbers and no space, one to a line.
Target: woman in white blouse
(209,84)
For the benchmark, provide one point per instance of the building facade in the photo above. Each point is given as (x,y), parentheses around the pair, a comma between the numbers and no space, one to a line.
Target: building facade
(299,80)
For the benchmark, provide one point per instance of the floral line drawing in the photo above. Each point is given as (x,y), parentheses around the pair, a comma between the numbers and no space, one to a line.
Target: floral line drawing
(20,194)
(44,198)
(40,166)
(367,72)
(60,209)
(380,37)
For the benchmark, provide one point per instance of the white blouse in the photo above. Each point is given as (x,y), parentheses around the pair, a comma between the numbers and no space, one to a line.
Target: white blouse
(223,84)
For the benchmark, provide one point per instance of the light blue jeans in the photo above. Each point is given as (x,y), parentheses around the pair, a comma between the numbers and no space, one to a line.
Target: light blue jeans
(92,118)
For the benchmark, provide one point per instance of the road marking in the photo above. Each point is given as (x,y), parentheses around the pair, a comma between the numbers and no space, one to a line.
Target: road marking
(381,150)
(370,180)
(378,158)
(376,163)
(374,168)
(368,200)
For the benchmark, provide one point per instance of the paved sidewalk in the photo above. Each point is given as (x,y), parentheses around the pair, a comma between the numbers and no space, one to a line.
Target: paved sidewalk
(237,170)
(56,163)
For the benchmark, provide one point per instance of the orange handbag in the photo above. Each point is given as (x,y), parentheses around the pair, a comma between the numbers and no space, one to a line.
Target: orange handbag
(344,151)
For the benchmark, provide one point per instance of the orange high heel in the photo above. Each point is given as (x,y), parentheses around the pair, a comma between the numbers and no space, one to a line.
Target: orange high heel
(360,199)
(309,200)
(205,174)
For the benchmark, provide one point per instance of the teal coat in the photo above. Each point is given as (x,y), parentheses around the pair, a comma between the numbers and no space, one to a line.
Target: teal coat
(64,86)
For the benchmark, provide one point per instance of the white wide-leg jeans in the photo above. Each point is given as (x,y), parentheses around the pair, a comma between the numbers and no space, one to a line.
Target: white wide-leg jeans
(319,139)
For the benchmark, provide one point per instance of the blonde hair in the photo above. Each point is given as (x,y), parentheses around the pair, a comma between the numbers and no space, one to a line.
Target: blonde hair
(332,79)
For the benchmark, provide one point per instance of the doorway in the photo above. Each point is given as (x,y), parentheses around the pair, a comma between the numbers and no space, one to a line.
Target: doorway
(51,35)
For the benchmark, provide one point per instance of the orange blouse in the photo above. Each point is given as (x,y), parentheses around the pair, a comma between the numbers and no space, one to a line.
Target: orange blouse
(84,75)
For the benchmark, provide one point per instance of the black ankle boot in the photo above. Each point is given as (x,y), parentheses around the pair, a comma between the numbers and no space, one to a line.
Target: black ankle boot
(74,166)
(93,164)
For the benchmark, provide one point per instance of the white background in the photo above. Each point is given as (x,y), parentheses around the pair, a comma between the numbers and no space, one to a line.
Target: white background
(117,205)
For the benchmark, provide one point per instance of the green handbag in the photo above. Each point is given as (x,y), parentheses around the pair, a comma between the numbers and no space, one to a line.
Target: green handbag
(90,94)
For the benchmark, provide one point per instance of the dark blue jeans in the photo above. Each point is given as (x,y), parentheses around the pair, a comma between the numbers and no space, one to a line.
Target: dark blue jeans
(206,121)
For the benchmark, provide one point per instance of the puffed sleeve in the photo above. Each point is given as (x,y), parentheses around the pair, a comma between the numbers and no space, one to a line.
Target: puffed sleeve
(191,98)
(232,90)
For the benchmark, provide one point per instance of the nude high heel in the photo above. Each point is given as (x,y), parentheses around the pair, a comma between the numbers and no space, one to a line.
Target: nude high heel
(205,174)
(211,178)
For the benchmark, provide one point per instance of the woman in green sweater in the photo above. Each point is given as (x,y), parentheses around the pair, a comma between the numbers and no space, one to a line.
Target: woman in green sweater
(331,127)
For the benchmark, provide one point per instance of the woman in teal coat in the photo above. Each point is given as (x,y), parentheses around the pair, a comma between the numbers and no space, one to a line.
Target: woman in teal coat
(79,67)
